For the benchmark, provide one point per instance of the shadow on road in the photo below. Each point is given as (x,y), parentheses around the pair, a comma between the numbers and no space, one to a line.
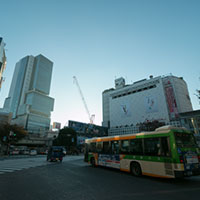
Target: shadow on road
(193,181)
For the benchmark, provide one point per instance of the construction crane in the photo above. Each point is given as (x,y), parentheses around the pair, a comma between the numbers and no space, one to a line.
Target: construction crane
(91,117)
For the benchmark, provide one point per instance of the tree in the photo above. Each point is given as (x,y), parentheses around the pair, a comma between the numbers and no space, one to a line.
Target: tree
(67,137)
(198,95)
(11,133)
(150,125)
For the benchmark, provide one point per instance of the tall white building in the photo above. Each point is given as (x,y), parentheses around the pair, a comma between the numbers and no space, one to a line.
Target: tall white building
(2,60)
(28,98)
(161,98)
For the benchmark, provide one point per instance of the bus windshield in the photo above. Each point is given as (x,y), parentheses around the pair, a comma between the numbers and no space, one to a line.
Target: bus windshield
(185,140)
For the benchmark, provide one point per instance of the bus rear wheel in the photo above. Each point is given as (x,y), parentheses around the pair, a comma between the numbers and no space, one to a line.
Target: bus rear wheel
(136,169)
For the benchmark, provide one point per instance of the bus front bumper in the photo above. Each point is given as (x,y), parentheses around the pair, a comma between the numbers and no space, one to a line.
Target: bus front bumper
(181,174)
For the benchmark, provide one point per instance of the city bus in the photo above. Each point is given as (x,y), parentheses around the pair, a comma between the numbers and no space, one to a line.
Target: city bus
(167,152)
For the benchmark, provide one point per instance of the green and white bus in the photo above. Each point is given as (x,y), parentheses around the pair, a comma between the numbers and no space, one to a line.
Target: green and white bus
(167,152)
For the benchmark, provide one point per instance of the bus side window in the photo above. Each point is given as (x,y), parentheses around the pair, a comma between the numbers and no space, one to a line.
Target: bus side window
(124,146)
(106,148)
(86,148)
(92,147)
(165,147)
(136,147)
(152,146)
(99,147)
(115,147)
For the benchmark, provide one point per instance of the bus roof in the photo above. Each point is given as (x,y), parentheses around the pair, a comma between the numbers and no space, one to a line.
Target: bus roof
(160,130)
(169,127)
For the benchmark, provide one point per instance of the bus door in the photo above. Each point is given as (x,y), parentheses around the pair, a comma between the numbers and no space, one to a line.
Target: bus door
(86,149)
(115,157)
(166,155)
(156,150)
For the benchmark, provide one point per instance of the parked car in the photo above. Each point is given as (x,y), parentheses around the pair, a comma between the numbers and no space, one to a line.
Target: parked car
(33,152)
(26,152)
(14,152)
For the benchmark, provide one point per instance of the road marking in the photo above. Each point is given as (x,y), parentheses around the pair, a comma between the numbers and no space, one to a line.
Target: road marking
(7,166)
(7,170)
(12,165)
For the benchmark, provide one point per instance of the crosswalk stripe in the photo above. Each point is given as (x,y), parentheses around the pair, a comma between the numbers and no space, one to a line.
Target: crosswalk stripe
(7,166)
(6,170)
(11,167)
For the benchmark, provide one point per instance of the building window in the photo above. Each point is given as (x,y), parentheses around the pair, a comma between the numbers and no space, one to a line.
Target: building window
(134,91)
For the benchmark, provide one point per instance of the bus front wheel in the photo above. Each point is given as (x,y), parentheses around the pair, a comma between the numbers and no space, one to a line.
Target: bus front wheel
(136,169)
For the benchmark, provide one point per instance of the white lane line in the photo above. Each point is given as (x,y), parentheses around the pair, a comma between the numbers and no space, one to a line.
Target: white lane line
(15,167)
(12,166)
(7,170)
(4,169)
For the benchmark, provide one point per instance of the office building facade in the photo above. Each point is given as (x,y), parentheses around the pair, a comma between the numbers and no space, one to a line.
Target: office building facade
(161,98)
(2,60)
(28,98)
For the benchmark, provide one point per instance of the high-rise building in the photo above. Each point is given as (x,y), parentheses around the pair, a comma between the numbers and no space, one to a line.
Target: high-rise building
(28,98)
(2,60)
(161,98)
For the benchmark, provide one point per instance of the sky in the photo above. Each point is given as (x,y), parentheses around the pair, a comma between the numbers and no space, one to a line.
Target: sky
(101,40)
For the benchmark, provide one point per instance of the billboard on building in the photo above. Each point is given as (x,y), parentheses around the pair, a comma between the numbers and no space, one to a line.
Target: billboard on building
(125,109)
(56,125)
(151,104)
(171,101)
(89,130)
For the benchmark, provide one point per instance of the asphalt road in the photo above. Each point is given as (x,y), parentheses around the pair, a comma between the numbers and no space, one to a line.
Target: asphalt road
(34,178)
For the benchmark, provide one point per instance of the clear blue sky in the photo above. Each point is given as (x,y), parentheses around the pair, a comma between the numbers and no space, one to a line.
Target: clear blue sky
(100,40)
